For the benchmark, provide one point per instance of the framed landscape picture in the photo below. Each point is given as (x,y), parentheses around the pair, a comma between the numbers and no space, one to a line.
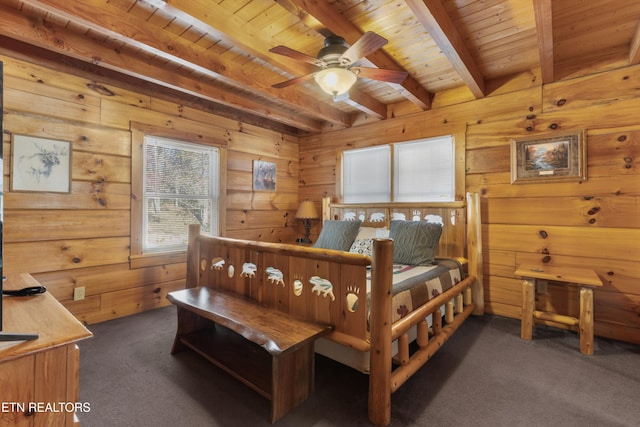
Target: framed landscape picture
(40,164)
(561,157)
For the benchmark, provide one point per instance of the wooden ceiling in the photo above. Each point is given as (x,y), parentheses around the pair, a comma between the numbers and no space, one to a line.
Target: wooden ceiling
(216,53)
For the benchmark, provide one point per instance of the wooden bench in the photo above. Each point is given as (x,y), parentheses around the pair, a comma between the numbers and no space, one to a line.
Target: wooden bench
(267,350)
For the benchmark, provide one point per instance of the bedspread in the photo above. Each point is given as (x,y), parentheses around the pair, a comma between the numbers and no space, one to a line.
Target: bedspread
(415,285)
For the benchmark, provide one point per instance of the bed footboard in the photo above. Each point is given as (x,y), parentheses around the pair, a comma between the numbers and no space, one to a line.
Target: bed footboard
(311,284)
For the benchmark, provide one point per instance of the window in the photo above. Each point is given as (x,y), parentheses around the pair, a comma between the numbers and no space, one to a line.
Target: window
(177,178)
(424,171)
(180,187)
(360,184)
(414,171)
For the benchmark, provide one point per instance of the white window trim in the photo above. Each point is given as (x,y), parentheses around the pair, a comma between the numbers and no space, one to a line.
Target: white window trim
(139,259)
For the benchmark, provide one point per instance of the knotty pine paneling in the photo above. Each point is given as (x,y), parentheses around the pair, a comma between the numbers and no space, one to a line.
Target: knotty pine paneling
(75,86)
(107,278)
(260,200)
(611,211)
(273,234)
(594,223)
(84,195)
(49,106)
(83,238)
(504,290)
(241,220)
(38,256)
(36,225)
(84,137)
(572,241)
(92,166)
(497,185)
(122,303)
(584,92)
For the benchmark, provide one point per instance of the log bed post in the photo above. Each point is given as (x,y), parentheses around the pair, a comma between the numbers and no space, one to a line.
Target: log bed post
(380,373)
(474,249)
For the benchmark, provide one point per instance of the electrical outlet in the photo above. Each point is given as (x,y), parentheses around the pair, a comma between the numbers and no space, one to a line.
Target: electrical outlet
(78,293)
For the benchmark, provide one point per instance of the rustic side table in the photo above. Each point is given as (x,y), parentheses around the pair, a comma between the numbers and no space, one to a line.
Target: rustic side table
(585,279)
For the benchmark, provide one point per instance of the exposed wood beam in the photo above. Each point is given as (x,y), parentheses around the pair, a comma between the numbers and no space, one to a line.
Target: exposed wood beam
(51,37)
(107,19)
(215,19)
(339,25)
(366,104)
(438,24)
(544,29)
(634,52)
(218,21)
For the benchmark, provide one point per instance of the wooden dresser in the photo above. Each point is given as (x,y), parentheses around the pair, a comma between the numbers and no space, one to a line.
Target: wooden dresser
(39,378)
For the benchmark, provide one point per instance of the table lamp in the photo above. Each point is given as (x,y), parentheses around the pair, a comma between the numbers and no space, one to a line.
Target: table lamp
(306,212)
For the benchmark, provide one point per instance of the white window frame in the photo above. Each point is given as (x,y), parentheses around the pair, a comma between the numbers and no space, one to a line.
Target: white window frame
(138,258)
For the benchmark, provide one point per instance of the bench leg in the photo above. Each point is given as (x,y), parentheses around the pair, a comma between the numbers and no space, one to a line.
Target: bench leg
(188,322)
(293,380)
(528,307)
(586,320)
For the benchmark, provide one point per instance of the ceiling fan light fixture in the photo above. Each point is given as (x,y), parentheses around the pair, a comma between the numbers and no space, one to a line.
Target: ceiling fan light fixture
(335,81)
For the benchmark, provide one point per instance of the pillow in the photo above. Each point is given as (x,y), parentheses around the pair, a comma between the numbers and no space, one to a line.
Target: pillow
(362,246)
(371,232)
(414,242)
(382,232)
(338,235)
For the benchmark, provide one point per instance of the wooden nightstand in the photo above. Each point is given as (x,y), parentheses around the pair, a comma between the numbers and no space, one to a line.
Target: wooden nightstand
(586,279)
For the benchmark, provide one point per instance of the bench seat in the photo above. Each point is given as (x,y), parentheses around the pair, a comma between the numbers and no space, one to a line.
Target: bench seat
(267,350)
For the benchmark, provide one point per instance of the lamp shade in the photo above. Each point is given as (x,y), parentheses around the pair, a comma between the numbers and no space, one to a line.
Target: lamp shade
(307,210)
(335,81)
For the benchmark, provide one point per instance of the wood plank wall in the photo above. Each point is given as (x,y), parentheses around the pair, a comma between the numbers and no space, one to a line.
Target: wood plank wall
(83,238)
(595,223)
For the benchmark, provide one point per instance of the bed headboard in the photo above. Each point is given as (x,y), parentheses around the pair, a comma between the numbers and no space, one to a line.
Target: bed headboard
(451,216)
(461,224)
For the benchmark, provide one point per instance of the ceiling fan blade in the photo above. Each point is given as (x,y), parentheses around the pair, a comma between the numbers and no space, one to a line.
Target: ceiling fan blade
(390,76)
(294,54)
(368,43)
(294,81)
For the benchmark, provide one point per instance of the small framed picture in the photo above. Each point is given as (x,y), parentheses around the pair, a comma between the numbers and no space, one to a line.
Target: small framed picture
(40,164)
(561,157)
(264,176)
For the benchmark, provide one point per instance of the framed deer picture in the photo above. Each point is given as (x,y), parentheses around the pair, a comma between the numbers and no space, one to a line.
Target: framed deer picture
(40,164)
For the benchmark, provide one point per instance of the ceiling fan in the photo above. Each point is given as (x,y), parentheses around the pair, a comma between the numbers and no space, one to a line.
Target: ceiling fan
(336,62)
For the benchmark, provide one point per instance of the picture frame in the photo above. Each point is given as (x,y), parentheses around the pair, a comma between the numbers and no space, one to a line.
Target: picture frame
(264,176)
(40,164)
(560,157)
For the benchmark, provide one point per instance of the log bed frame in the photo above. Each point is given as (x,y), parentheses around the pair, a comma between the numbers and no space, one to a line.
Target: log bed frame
(284,278)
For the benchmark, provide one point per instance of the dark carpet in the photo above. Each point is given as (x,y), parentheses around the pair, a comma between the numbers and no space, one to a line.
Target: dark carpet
(485,375)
